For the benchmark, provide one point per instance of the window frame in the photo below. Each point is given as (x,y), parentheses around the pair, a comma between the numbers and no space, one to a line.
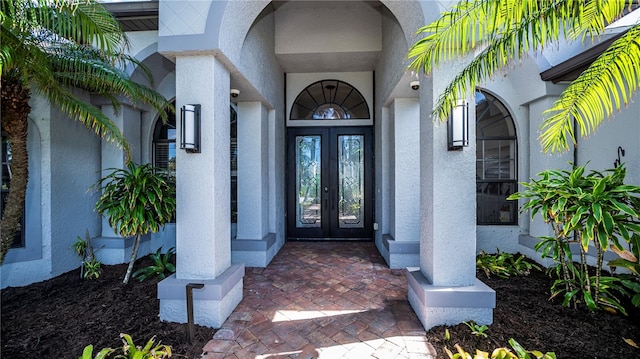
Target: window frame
(483,182)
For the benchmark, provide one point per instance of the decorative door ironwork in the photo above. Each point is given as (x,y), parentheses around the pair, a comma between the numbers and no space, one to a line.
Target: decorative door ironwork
(330,183)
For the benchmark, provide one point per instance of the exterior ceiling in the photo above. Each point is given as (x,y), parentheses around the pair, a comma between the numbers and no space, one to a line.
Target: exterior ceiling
(328,62)
(327,36)
(135,15)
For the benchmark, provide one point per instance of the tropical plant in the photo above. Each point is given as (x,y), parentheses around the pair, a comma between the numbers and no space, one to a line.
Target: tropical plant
(160,268)
(149,351)
(137,200)
(500,32)
(477,329)
(50,47)
(130,350)
(629,260)
(501,353)
(503,264)
(87,353)
(90,267)
(596,211)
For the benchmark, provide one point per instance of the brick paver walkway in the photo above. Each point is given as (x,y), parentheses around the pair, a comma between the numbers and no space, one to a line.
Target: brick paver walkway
(322,300)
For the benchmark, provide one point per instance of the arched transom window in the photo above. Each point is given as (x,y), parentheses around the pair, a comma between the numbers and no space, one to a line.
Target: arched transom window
(496,161)
(330,100)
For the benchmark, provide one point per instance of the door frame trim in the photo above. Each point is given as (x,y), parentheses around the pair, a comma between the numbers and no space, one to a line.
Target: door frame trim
(320,233)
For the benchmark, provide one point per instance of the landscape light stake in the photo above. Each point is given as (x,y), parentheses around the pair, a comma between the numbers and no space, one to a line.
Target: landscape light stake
(190,288)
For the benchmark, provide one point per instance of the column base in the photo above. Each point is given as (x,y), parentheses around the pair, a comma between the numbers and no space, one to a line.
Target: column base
(117,250)
(400,254)
(212,304)
(438,305)
(254,252)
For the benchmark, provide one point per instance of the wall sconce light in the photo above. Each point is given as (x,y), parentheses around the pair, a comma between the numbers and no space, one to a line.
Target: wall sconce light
(190,128)
(458,126)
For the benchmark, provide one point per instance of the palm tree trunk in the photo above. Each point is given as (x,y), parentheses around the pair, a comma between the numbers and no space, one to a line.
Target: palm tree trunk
(15,114)
(134,255)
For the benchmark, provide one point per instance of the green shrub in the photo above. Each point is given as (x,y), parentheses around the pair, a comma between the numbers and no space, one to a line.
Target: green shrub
(90,268)
(629,260)
(595,211)
(504,264)
(137,200)
(130,351)
(476,329)
(501,353)
(160,268)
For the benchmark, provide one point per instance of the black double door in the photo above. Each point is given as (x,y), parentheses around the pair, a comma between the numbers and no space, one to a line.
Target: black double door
(330,183)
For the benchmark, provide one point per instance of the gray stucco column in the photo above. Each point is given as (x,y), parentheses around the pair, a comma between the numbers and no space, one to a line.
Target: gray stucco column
(402,243)
(444,290)
(254,245)
(203,243)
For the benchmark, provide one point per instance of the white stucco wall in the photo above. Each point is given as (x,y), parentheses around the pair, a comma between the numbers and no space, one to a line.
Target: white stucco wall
(600,150)
(405,213)
(327,27)
(258,66)
(259,70)
(75,167)
(183,17)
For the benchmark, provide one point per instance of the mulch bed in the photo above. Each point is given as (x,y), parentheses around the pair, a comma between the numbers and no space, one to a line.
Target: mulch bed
(525,312)
(59,317)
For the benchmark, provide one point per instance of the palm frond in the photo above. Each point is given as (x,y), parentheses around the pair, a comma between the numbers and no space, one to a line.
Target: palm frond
(455,33)
(594,16)
(84,22)
(603,88)
(508,30)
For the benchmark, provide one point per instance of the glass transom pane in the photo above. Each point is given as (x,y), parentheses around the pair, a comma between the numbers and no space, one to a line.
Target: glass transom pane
(330,100)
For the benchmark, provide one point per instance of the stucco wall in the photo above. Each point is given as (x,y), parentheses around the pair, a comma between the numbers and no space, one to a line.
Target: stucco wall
(391,65)
(21,268)
(600,150)
(258,64)
(75,167)
(327,27)
(260,68)
(69,163)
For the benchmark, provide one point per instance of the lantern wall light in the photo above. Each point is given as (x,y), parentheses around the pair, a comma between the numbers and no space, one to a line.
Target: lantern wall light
(458,126)
(190,128)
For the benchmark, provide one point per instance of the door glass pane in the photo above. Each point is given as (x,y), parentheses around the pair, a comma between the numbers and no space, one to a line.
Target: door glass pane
(308,184)
(351,181)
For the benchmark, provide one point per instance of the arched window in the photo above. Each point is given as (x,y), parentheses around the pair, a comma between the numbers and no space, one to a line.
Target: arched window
(330,100)
(496,161)
(164,144)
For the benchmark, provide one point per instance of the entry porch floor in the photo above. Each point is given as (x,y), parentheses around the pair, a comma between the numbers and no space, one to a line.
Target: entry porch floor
(323,300)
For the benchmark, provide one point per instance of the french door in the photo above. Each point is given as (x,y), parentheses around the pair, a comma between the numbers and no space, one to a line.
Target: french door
(330,183)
